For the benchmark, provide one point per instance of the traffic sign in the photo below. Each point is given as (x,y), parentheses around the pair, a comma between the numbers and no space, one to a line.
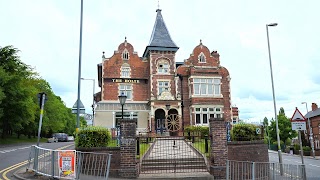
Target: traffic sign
(297,116)
(298,125)
(258,130)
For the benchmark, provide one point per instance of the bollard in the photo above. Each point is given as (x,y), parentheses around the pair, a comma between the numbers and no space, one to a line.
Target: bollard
(206,144)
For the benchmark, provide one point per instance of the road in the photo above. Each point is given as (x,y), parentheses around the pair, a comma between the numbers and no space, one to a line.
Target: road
(15,156)
(312,165)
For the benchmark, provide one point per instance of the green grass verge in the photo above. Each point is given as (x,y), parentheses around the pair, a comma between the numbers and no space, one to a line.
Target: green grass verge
(200,145)
(22,139)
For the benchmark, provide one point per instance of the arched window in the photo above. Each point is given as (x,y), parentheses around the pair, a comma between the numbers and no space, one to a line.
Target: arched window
(163,67)
(125,55)
(202,58)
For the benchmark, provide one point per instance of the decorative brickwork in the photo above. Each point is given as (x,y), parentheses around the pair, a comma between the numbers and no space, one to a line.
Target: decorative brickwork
(218,154)
(128,164)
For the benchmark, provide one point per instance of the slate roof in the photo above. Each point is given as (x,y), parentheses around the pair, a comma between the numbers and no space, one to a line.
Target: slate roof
(160,38)
(314,113)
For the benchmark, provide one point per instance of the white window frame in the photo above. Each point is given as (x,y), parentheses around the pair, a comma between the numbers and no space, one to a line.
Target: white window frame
(207,86)
(127,90)
(163,67)
(162,86)
(202,58)
(125,72)
(203,114)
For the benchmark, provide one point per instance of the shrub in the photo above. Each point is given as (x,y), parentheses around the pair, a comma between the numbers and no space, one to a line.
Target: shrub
(197,130)
(92,137)
(244,132)
(306,148)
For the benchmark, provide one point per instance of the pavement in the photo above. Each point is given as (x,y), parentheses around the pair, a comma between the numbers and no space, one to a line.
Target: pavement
(287,154)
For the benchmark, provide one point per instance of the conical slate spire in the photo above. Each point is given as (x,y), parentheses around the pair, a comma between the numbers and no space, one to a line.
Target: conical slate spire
(160,37)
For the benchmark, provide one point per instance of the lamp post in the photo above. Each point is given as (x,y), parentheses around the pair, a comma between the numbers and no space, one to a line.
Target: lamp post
(310,132)
(122,99)
(79,70)
(93,80)
(274,99)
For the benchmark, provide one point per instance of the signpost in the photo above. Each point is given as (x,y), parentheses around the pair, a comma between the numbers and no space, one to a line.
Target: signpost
(298,123)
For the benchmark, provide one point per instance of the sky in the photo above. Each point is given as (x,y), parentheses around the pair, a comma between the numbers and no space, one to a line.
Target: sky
(47,33)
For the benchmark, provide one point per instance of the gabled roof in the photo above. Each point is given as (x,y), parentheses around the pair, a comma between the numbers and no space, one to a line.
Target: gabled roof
(314,113)
(160,38)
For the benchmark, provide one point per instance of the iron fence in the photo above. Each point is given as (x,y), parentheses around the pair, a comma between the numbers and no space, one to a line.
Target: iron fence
(69,164)
(237,170)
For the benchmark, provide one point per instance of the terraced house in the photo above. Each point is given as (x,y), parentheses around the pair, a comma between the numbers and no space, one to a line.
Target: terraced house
(162,94)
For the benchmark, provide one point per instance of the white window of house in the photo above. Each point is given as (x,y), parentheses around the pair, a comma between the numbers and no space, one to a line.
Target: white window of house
(125,72)
(202,58)
(206,86)
(203,114)
(163,67)
(125,55)
(126,89)
(163,86)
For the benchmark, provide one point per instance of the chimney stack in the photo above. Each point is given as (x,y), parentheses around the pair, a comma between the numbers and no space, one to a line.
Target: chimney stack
(314,106)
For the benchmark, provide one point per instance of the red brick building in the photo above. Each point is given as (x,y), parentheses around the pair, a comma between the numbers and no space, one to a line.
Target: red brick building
(314,116)
(163,95)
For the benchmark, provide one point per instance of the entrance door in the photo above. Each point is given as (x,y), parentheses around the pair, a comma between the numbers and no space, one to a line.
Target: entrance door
(160,124)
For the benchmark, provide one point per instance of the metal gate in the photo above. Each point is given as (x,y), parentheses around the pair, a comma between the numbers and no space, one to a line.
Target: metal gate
(178,154)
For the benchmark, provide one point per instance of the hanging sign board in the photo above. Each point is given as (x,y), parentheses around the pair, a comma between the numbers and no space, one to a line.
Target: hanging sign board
(66,162)
(298,121)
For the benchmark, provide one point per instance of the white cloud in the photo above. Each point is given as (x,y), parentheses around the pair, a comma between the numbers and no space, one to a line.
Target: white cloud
(47,33)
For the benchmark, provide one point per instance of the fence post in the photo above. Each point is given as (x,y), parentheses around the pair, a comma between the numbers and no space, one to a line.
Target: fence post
(304,174)
(228,170)
(79,165)
(138,146)
(36,155)
(108,168)
(206,144)
(52,164)
(273,172)
(253,170)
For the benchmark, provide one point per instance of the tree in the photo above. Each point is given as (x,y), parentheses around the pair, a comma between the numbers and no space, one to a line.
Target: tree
(285,130)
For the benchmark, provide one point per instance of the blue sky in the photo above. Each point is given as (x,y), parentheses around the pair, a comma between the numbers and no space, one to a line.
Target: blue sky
(47,33)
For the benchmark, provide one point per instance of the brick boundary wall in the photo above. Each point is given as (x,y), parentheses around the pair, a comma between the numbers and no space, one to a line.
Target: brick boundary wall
(218,154)
(255,151)
(128,164)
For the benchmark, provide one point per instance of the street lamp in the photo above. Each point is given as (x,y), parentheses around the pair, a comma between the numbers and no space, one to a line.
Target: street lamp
(122,99)
(93,80)
(310,131)
(79,68)
(274,99)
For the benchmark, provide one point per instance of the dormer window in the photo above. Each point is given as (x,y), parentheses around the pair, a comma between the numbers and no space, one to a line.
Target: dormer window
(125,55)
(163,67)
(202,58)
(125,71)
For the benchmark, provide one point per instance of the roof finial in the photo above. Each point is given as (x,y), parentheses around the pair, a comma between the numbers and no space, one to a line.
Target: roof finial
(200,42)
(103,57)
(125,41)
(158,5)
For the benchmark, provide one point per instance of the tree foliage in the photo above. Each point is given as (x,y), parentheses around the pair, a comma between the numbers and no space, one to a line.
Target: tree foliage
(285,129)
(19,105)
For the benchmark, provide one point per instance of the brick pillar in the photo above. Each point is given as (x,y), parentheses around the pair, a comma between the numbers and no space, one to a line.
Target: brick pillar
(128,165)
(219,152)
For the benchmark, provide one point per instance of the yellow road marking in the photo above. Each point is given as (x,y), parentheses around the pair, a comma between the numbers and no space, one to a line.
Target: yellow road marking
(15,166)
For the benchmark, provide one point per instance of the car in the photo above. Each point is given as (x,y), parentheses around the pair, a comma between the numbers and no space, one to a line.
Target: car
(62,137)
(70,138)
(52,140)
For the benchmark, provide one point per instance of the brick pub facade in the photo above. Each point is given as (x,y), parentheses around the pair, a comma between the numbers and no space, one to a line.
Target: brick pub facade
(163,95)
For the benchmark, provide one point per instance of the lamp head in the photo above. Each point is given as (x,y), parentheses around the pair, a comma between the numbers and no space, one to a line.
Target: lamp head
(122,98)
(272,24)
(304,103)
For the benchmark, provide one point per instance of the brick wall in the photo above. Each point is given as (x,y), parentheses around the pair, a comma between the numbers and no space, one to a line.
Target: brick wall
(255,151)
(128,164)
(218,154)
